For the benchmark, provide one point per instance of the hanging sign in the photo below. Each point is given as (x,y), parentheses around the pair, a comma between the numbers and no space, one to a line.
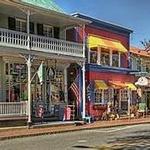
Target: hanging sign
(51,73)
(142,81)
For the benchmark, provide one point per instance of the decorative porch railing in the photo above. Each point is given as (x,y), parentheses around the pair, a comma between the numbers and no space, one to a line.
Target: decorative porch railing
(13,108)
(16,39)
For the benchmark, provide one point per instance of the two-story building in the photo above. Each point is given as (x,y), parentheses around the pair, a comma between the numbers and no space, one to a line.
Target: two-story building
(140,64)
(34,56)
(108,78)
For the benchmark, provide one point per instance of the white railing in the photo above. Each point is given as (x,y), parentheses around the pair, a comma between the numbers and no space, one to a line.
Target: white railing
(56,46)
(13,108)
(13,39)
(39,43)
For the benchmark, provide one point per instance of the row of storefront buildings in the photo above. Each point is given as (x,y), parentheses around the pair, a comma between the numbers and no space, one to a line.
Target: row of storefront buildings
(53,60)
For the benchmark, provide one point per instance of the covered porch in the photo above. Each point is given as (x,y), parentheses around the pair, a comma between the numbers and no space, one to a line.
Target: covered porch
(23,52)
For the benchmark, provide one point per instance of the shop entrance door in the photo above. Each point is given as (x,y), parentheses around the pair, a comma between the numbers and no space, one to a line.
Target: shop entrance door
(123,100)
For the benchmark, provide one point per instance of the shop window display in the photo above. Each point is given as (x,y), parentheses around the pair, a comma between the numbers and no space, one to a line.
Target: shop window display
(16,79)
(57,94)
(103,96)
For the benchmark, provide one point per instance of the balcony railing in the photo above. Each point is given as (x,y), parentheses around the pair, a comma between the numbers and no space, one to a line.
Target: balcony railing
(39,43)
(13,108)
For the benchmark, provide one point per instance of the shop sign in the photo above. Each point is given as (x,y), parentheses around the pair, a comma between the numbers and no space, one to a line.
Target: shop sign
(142,81)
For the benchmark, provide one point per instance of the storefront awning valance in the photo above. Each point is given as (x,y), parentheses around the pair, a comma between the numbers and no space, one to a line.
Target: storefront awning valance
(131,86)
(101,85)
(117,84)
(106,43)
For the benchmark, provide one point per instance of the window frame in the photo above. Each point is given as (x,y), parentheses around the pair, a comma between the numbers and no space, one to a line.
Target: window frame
(45,33)
(20,28)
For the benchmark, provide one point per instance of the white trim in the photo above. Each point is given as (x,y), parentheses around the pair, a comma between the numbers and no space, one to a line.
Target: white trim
(110,52)
(99,56)
(119,63)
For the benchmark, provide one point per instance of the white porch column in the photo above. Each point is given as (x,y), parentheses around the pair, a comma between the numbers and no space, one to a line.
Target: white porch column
(129,100)
(29,69)
(83,73)
(83,91)
(120,99)
(119,64)
(99,56)
(65,85)
(111,53)
(89,55)
(102,96)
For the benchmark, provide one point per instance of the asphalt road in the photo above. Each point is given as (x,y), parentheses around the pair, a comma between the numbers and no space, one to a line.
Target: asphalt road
(127,138)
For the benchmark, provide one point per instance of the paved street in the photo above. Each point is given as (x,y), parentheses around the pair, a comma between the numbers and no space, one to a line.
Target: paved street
(127,137)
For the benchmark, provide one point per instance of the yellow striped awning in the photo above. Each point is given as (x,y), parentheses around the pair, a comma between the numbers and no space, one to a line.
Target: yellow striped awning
(94,41)
(101,85)
(131,86)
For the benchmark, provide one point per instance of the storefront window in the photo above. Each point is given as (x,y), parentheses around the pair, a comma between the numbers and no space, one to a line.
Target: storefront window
(98,96)
(115,59)
(102,96)
(93,56)
(57,94)
(105,57)
(16,79)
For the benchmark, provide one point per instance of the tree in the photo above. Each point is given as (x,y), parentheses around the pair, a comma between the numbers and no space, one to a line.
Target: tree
(146,44)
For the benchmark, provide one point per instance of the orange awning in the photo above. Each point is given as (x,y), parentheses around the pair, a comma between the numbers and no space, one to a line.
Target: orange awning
(117,84)
(94,41)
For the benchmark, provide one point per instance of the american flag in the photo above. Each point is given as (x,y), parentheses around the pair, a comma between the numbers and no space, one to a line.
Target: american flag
(75,89)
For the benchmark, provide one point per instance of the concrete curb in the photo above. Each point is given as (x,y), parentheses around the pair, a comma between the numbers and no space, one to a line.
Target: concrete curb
(73,129)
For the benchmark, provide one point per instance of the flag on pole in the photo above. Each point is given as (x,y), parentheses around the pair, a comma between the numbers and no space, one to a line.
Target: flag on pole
(40,73)
(75,89)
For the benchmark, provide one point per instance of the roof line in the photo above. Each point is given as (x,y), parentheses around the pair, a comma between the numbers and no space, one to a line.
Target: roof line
(102,21)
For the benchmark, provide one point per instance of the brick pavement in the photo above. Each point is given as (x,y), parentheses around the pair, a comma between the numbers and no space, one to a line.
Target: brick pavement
(24,131)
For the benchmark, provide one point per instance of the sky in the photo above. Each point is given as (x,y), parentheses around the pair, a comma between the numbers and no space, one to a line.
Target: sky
(133,14)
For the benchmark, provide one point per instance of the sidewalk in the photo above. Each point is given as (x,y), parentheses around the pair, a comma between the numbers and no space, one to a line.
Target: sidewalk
(8,133)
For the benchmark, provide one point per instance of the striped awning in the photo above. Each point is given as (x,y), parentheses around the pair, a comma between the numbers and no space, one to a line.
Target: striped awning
(94,41)
(131,86)
(127,85)
(100,85)
(117,84)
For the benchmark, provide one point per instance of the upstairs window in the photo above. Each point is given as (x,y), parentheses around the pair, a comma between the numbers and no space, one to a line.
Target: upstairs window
(105,57)
(48,31)
(93,56)
(115,59)
(21,25)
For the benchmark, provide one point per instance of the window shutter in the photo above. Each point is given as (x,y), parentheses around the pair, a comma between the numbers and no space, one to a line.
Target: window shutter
(56,32)
(40,29)
(31,27)
(11,23)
